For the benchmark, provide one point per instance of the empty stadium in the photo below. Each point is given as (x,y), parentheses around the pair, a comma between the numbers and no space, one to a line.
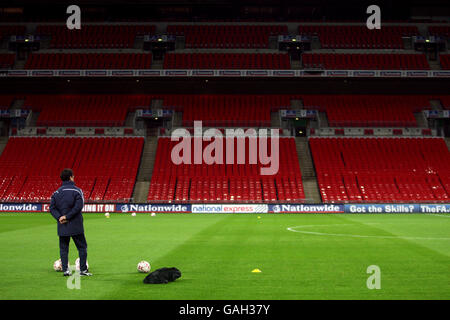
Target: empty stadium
(360,117)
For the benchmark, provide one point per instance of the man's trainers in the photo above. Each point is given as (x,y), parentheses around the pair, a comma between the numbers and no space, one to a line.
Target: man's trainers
(67,273)
(85,273)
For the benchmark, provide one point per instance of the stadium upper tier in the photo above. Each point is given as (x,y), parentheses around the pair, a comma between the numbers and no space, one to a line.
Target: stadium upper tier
(105,168)
(382,169)
(89,61)
(94,36)
(227,36)
(82,110)
(226,110)
(226,182)
(221,46)
(350,37)
(368,110)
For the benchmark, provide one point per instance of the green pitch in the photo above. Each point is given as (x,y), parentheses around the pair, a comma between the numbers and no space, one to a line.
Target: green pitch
(319,257)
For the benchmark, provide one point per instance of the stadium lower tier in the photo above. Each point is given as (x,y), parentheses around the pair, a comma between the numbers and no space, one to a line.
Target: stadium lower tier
(359,61)
(382,169)
(7,60)
(227,61)
(104,168)
(227,182)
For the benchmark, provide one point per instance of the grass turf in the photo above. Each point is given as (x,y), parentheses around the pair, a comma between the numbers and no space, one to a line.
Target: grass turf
(216,254)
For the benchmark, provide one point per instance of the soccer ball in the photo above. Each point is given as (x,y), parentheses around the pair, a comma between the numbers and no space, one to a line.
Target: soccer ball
(133,214)
(107,214)
(143,267)
(57,265)
(153,214)
(77,264)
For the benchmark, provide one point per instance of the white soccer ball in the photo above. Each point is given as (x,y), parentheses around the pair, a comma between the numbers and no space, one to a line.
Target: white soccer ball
(107,214)
(133,214)
(143,267)
(57,265)
(77,264)
(153,214)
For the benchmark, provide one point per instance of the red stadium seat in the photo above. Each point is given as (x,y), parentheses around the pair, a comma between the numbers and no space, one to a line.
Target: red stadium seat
(105,168)
(225,182)
(382,169)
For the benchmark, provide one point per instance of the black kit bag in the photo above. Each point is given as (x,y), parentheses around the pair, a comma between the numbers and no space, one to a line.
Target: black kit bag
(163,275)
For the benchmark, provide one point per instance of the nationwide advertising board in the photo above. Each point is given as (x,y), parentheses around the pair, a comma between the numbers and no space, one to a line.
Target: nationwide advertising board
(237,208)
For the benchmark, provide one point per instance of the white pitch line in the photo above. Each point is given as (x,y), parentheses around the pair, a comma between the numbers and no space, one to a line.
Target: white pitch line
(439,215)
(355,235)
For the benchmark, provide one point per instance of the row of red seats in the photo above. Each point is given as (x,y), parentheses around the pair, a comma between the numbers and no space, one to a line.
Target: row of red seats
(445,61)
(226,36)
(89,61)
(6,31)
(359,61)
(94,36)
(346,36)
(7,60)
(375,41)
(227,61)
(443,31)
(104,168)
(6,101)
(80,110)
(445,102)
(226,182)
(227,110)
(368,110)
(382,169)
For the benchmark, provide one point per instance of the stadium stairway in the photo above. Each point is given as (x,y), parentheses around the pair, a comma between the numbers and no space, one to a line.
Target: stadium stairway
(310,185)
(275,119)
(177,119)
(130,120)
(17,104)
(323,120)
(32,119)
(3,142)
(157,104)
(145,170)
(435,104)
(296,64)
(296,104)
(434,64)
(421,120)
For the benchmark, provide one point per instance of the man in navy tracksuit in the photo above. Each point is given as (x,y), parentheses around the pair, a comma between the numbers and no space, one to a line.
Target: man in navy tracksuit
(65,206)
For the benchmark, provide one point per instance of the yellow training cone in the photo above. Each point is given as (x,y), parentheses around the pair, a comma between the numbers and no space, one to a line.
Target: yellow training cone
(256,271)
